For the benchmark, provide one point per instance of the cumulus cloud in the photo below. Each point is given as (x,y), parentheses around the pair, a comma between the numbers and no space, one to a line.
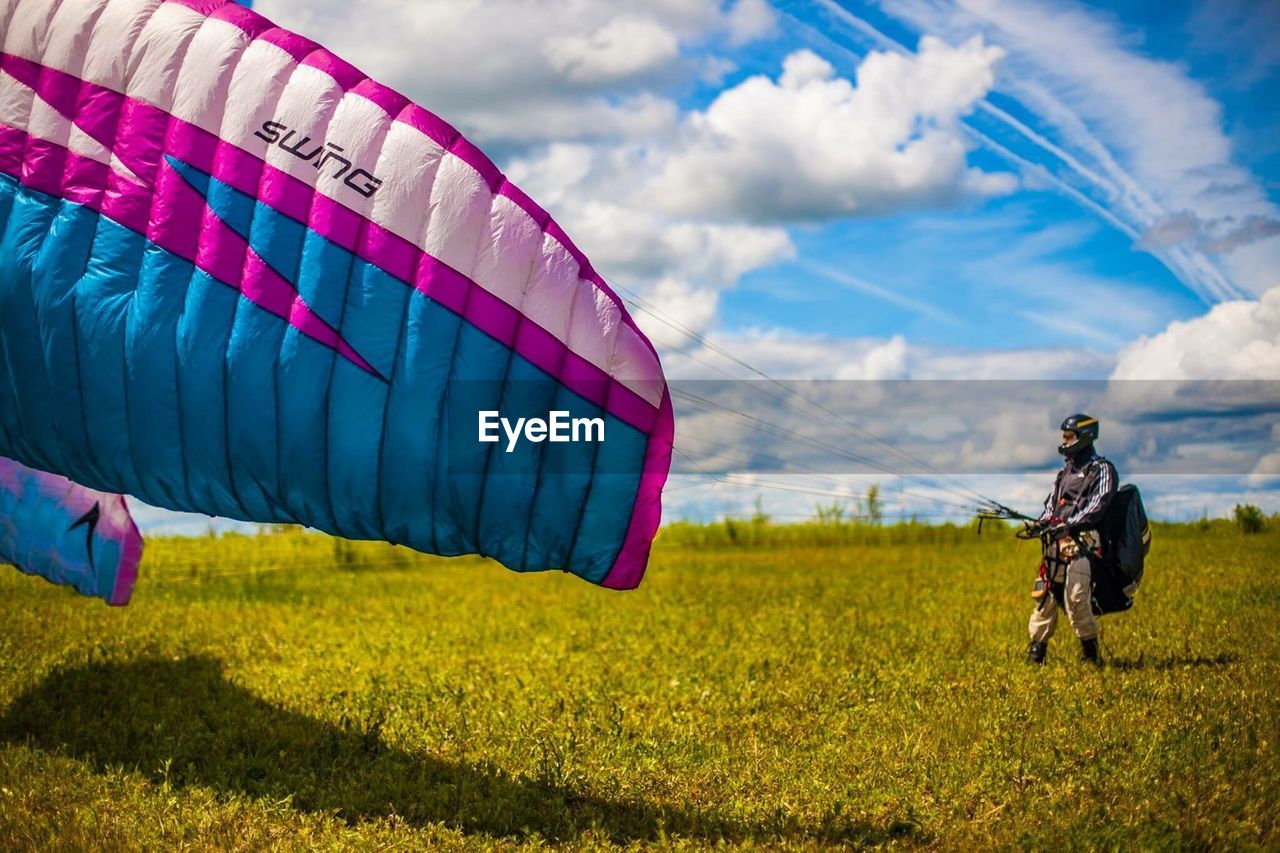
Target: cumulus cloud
(673,311)
(552,117)
(1235,340)
(633,243)
(692,205)
(518,72)
(749,20)
(1268,468)
(622,47)
(812,145)
(683,215)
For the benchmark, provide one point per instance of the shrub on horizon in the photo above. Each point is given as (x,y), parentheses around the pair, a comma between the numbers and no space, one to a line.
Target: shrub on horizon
(1249,518)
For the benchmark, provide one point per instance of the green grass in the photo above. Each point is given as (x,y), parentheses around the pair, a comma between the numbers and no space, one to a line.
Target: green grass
(802,690)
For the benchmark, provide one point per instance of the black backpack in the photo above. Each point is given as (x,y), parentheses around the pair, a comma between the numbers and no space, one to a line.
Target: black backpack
(1126,539)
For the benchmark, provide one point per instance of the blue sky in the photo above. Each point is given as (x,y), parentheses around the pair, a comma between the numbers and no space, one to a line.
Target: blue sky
(991,265)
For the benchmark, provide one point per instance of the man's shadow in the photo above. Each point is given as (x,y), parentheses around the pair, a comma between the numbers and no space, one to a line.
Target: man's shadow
(184,722)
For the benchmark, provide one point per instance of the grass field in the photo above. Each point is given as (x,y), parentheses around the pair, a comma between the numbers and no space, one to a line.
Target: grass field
(786,691)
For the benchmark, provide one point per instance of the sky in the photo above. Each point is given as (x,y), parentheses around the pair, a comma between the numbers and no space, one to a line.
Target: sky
(831,189)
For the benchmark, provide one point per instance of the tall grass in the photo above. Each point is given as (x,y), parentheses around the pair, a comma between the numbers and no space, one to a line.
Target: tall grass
(777,686)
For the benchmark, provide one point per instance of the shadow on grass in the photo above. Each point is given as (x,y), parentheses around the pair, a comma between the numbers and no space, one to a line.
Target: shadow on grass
(181,720)
(1175,662)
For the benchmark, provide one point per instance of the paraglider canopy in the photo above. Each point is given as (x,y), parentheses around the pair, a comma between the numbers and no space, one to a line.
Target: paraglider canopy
(239,277)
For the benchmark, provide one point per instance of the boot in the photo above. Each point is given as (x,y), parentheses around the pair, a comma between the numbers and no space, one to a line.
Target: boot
(1036,652)
(1089,652)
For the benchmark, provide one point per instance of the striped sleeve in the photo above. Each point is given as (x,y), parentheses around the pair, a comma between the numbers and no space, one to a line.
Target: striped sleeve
(1101,488)
(1050,499)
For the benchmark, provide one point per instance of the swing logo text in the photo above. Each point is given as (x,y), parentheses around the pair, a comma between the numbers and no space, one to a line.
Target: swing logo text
(327,155)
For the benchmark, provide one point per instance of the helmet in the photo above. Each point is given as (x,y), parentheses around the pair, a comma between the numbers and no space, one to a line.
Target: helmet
(1086,430)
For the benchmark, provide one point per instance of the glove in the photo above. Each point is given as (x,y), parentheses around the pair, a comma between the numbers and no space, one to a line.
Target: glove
(1045,526)
(1059,531)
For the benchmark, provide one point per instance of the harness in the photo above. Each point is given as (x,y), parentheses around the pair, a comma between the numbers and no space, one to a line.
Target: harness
(1058,554)
(1057,557)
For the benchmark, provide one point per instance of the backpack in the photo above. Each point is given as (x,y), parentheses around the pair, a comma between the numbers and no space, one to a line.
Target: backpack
(1126,540)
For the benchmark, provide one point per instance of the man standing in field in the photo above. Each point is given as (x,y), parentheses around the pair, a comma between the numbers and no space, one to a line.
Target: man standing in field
(1072,512)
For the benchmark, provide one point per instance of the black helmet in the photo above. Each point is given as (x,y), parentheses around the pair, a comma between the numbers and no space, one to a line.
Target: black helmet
(1086,430)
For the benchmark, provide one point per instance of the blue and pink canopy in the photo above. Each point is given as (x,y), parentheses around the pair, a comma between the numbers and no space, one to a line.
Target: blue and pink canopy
(239,277)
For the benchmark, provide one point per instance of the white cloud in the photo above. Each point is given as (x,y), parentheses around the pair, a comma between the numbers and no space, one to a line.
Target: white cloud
(1215,236)
(812,145)
(749,20)
(633,243)
(678,206)
(1235,340)
(673,299)
(1007,440)
(887,361)
(517,71)
(623,47)
(560,116)
(1267,467)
